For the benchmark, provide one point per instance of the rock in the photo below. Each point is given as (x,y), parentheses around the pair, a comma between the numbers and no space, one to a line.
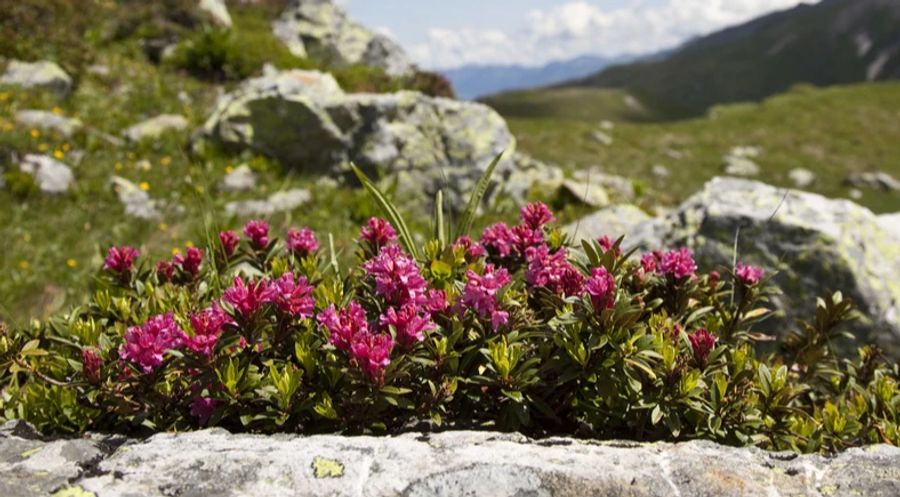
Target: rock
(50,175)
(48,121)
(601,137)
(239,180)
(519,181)
(153,128)
(855,194)
(738,162)
(321,30)
(41,75)
(592,195)
(813,245)
(277,202)
(613,221)
(217,12)
(620,187)
(607,125)
(801,177)
(304,119)
(137,202)
(891,224)
(214,462)
(878,180)
(661,171)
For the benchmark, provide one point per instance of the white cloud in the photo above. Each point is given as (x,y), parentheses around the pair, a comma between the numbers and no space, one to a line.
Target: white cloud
(580,27)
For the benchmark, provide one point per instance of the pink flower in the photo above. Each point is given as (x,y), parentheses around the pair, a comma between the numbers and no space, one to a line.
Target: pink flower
(120,259)
(601,286)
(607,243)
(294,298)
(247,299)
(146,345)
(343,326)
(373,354)
(436,301)
(526,237)
(748,275)
(397,277)
(190,264)
(552,271)
(702,342)
(378,233)
(207,325)
(678,263)
(409,324)
(499,240)
(480,294)
(473,250)
(258,232)
(164,271)
(650,261)
(91,364)
(203,408)
(230,241)
(535,215)
(301,242)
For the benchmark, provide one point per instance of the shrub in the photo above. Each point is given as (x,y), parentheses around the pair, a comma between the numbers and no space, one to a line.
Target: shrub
(214,53)
(515,331)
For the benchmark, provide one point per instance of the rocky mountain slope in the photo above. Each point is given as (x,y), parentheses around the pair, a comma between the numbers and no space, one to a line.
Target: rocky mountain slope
(828,43)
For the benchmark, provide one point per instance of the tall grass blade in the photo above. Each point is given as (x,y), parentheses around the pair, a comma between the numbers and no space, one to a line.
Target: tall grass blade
(468,216)
(390,211)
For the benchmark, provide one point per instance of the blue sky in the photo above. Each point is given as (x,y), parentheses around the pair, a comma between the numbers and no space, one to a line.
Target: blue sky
(449,33)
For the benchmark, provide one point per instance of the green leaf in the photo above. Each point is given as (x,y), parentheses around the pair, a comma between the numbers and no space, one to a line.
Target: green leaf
(468,216)
(440,232)
(390,211)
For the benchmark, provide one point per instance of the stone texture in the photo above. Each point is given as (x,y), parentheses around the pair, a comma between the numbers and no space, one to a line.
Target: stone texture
(277,202)
(42,74)
(592,195)
(307,122)
(137,202)
(891,224)
(615,221)
(240,179)
(739,161)
(811,244)
(50,175)
(153,128)
(214,462)
(48,121)
(217,12)
(875,179)
(322,30)
(802,177)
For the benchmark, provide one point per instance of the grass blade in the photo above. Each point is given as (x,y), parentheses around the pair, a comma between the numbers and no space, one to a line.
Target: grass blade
(440,232)
(390,211)
(465,222)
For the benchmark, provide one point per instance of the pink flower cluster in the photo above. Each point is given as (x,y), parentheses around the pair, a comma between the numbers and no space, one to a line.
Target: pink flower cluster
(207,324)
(503,242)
(746,274)
(678,263)
(229,240)
(291,295)
(552,271)
(473,249)
(350,333)
(146,345)
(480,294)
(91,364)
(397,277)
(601,287)
(120,259)
(301,242)
(378,233)
(258,233)
(607,244)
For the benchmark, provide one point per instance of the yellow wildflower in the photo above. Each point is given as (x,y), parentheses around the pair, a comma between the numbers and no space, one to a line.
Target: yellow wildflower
(66,147)
(189,244)
(229,169)
(119,166)
(35,133)
(144,185)
(58,154)
(165,160)
(56,110)
(72,263)
(23,265)
(43,147)
(176,250)
(163,227)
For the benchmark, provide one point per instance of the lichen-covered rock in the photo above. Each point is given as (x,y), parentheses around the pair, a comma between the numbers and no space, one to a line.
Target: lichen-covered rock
(802,177)
(615,221)
(137,202)
(153,128)
(891,224)
(217,12)
(811,244)
(50,175)
(214,462)
(304,119)
(277,202)
(590,194)
(41,74)
(48,121)
(322,30)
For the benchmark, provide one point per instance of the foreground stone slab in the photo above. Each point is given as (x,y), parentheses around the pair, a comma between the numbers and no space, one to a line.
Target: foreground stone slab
(216,463)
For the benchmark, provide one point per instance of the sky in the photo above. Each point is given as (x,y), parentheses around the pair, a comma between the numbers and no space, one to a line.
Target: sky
(443,34)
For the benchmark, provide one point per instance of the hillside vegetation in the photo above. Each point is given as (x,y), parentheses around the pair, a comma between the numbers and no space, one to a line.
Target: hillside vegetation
(829,43)
(832,132)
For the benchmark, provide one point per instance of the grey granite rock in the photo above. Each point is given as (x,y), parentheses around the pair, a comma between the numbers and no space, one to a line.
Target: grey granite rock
(214,462)
(802,177)
(48,121)
(277,202)
(137,202)
(50,175)
(241,179)
(153,128)
(217,12)
(40,74)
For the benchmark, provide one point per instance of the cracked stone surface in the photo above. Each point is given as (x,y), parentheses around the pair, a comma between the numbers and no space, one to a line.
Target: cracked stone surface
(215,462)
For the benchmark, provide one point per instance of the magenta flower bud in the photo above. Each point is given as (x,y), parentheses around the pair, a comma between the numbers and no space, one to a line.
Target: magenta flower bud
(535,215)
(120,259)
(146,345)
(91,364)
(378,233)
(230,241)
(702,342)
(746,274)
(678,263)
(258,232)
(301,242)
(601,287)
(165,271)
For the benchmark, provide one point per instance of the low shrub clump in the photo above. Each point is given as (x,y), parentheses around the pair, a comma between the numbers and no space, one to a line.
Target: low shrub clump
(516,330)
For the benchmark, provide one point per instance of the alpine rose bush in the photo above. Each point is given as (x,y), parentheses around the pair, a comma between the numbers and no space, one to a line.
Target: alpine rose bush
(520,329)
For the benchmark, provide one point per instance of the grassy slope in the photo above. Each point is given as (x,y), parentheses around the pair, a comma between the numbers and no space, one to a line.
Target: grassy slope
(53,244)
(584,104)
(832,131)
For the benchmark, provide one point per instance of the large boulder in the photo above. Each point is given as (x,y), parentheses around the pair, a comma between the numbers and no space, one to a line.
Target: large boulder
(812,245)
(305,120)
(50,175)
(41,74)
(322,30)
(214,462)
